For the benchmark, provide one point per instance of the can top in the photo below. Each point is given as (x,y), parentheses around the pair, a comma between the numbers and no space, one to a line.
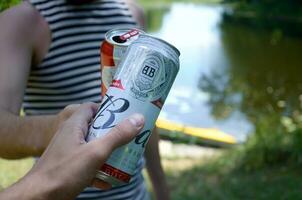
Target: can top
(161,45)
(123,36)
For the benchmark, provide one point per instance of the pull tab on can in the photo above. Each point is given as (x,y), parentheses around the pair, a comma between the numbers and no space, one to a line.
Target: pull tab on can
(131,33)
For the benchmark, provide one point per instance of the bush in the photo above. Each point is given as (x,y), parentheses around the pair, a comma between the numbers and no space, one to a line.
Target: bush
(265,150)
(4,4)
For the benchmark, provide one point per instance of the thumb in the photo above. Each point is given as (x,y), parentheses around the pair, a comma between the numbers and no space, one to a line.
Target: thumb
(121,134)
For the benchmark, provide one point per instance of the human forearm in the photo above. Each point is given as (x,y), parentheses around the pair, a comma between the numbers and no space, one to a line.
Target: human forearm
(30,187)
(69,163)
(155,169)
(29,135)
(25,136)
(19,36)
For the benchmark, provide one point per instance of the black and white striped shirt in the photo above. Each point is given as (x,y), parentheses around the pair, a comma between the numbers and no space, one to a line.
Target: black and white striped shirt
(70,72)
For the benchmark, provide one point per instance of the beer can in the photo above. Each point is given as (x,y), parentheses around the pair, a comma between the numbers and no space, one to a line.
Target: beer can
(112,50)
(140,85)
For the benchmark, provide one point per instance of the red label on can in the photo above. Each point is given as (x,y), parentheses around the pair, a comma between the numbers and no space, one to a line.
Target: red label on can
(117,84)
(158,103)
(116,173)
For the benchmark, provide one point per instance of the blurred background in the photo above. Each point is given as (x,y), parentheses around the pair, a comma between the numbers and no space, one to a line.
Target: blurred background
(232,123)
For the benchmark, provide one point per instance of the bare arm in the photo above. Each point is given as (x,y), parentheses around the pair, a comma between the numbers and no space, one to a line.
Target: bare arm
(155,169)
(69,163)
(19,34)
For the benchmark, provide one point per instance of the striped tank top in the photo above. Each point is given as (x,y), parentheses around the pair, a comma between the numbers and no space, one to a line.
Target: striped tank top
(70,72)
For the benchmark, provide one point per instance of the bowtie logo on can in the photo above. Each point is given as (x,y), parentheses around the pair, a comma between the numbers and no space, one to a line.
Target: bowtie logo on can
(140,84)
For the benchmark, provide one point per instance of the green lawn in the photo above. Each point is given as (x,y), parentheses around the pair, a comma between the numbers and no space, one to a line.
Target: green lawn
(270,183)
(192,179)
(11,171)
(195,179)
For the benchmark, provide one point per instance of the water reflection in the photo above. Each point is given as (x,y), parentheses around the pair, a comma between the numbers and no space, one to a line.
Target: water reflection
(232,77)
(154,16)
(264,72)
(195,31)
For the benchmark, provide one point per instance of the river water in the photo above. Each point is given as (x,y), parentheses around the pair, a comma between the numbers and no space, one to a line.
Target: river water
(230,75)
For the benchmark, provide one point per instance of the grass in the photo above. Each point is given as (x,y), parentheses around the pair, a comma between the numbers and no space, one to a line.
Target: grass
(4,4)
(213,180)
(211,177)
(270,183)
(12,170)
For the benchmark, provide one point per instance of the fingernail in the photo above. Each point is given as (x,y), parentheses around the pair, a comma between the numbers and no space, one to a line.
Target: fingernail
(137,120)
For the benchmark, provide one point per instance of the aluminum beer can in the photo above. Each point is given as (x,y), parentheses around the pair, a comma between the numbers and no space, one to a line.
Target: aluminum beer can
(112,50)
(140,85)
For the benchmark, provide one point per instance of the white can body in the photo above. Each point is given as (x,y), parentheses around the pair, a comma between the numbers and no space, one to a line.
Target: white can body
(140,85)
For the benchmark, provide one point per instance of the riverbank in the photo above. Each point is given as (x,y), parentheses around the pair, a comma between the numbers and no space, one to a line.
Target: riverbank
(217,174)
(196,173)
(178,156)
(269,183)
(286,17)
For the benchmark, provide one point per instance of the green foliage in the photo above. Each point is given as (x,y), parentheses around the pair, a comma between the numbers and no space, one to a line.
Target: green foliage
(4,4)
(12,170)
(262,81)
(272,10)
(269,149)
(154,17)
(267,166)
(161,3)
(269,183)
(284,16)
(264,149)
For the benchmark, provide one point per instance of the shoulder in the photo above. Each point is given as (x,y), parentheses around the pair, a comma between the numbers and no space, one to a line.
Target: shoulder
(137,11)
(21,16)
(23,21)
(23,25)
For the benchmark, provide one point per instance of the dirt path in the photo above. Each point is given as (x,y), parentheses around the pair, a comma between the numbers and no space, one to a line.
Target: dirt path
(183,156)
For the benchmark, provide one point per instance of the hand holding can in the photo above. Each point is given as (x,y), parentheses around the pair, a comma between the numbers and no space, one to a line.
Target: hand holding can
(140,85)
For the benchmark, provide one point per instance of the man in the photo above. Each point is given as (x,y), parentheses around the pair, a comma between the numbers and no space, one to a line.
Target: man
(49,59)
(69,163)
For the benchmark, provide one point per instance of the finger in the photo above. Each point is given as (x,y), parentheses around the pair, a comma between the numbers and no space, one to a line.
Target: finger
(85,112)
(97,183)
(82,116)
(121,134)
(72,107)
(69,110)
